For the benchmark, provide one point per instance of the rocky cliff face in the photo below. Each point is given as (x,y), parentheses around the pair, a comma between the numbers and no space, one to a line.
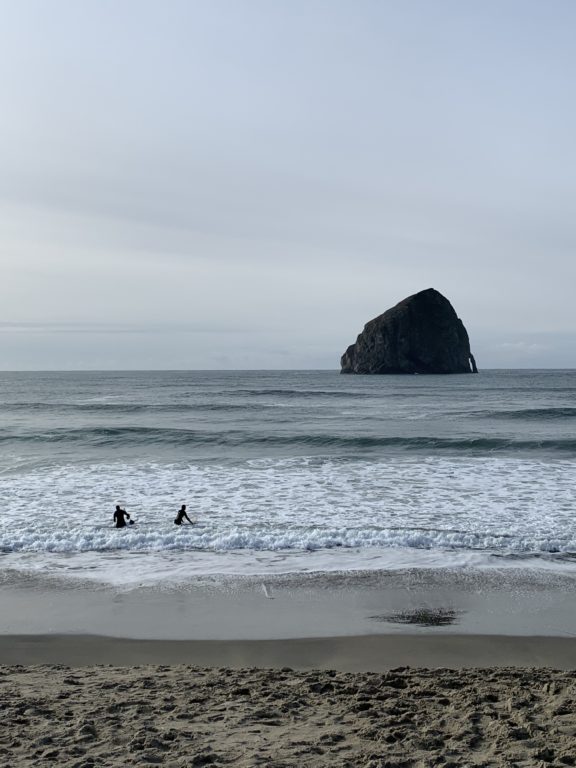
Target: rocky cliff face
(421,334)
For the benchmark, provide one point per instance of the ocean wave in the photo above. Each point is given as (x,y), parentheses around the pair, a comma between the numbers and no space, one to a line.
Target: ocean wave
(300,393)
(528,414)
(127,436)
(343,509)
(128,408)
(212,539)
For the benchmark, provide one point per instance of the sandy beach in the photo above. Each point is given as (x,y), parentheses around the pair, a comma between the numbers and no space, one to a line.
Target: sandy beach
(81,701)
(408,669)
(181,715)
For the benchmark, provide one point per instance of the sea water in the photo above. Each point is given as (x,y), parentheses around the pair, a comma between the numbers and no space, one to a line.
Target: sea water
(284,472)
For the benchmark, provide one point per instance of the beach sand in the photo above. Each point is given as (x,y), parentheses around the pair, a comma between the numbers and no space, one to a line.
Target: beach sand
(379,672)
(183,715)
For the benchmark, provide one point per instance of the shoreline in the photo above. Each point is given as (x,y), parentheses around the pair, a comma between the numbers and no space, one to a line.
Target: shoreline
(365,653)
(353,623)
(464,602)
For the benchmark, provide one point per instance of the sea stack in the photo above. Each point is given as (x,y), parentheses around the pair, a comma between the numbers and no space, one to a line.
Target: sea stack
(421,334)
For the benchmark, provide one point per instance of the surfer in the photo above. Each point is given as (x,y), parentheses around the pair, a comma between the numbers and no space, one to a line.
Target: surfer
(181,515)
(120,516)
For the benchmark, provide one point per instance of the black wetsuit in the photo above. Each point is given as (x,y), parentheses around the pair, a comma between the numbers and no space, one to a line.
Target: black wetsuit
(180,517)
(120,518)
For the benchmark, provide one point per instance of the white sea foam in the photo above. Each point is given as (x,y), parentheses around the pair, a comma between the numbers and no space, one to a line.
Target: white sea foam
(285,514)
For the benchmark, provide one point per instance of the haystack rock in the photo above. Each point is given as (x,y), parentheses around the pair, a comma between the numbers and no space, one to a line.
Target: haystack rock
(421,334)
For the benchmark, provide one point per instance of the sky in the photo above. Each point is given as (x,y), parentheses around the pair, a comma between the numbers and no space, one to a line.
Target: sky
(243,184)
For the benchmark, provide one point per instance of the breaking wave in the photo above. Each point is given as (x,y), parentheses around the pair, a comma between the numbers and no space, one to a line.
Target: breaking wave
(261,538)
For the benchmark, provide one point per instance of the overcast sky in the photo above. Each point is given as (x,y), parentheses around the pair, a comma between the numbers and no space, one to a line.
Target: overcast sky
(245,183)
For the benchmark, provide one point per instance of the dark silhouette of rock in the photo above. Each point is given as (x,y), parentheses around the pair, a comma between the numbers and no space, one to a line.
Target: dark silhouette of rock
(421,334)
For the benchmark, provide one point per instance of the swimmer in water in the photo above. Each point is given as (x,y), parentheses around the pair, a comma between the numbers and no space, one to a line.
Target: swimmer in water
(181,516)
(120,516)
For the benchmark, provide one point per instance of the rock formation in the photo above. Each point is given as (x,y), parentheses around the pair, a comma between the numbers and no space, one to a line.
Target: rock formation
(421,334)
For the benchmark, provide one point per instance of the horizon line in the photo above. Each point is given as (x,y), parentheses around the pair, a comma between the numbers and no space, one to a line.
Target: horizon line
(264,370)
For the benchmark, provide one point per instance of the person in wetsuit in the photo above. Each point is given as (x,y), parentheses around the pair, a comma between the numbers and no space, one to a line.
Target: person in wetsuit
(181,516)
(120,516)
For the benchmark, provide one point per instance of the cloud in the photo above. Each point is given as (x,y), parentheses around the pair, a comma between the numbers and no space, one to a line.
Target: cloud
(204,194)
(523,346)
(117,329)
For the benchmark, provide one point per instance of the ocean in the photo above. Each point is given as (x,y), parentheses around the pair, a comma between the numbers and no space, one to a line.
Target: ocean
(284,472)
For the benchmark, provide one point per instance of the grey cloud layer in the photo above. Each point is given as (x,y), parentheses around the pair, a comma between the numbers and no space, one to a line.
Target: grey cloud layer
(284,171)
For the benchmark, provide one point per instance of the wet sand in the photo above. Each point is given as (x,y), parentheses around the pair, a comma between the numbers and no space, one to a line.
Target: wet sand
(372,653)
(466,601)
